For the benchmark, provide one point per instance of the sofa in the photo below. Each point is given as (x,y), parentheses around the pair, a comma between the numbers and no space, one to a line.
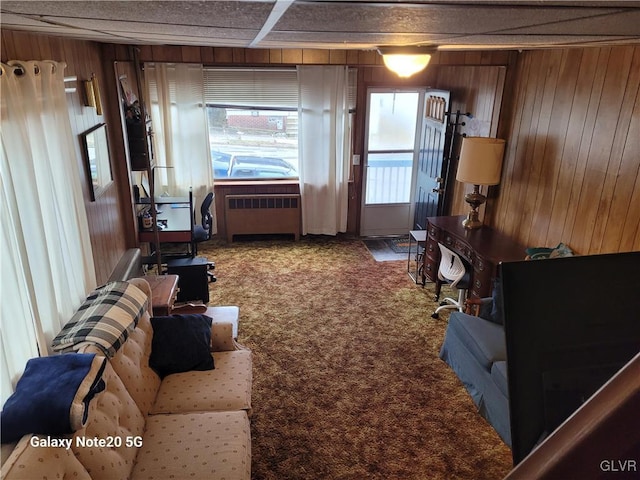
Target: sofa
(141,425)
(475,349)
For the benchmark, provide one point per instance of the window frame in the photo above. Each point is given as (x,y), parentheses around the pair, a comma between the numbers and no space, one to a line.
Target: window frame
(276,99)
(247,90)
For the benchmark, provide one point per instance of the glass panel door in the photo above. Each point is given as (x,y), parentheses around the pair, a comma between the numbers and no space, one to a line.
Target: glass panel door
(389,159)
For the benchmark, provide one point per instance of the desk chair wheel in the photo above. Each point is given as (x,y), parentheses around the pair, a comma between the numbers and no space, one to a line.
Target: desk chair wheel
(435,315)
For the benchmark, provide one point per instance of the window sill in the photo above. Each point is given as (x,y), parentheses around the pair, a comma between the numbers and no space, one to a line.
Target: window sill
(251,182)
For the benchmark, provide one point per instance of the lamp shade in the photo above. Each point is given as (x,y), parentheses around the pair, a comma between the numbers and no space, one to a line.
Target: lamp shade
(480,161)
(405,61)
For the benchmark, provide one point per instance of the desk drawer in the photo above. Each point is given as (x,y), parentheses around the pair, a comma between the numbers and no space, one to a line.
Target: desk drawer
(479,264)
(431,259)
(481,284)
(458,246)
(430,269)
(431,248)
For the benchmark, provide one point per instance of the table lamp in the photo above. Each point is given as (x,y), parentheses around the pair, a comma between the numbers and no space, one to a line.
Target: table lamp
(480,164)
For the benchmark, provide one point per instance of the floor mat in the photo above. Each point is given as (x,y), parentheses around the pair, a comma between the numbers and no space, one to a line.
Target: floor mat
(398,244)
(388,249)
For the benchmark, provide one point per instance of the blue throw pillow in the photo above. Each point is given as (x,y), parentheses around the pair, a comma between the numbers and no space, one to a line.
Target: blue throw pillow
(181,343)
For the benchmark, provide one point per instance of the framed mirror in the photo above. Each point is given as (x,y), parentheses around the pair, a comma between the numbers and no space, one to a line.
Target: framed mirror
(96,151)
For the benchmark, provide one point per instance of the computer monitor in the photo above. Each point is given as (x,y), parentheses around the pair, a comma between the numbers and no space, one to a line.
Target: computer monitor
(570,324)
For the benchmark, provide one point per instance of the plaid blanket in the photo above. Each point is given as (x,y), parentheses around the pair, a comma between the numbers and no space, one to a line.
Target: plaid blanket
(104,319)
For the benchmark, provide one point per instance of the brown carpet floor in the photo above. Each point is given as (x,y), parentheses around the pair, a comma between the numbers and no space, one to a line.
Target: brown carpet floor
(347,379)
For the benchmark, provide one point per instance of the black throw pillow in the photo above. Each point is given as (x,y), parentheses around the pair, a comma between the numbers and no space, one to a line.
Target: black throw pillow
(181,343)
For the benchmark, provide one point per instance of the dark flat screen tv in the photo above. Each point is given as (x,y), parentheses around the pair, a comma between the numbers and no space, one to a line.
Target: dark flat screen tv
(570,324)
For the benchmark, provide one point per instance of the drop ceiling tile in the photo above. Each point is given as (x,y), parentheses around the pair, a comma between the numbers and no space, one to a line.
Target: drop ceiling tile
(151,29)
(331,24)
(432,18)
(10,20)
(532,41)
(231,14)
(159,39)
(346,38)
(619,23)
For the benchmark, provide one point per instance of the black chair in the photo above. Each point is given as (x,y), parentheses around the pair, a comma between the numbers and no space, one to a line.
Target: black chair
(203,231)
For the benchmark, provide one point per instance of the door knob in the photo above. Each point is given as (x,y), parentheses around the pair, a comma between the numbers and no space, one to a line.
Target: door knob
(438,190)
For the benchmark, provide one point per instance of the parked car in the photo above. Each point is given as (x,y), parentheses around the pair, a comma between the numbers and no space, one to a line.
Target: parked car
(248,166)
(220,161)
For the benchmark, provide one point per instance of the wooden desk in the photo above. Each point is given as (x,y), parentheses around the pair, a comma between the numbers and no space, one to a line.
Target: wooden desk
(178,220)
(483,248)
(160,200)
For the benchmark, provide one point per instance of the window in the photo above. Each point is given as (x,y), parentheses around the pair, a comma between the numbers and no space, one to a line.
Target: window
(252,118)
(253,143)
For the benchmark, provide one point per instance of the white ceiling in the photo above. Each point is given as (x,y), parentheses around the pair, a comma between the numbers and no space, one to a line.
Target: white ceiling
(333,24)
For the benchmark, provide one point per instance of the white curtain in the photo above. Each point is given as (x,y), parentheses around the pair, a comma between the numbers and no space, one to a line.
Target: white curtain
(47,267)
(179,121)
(324,148)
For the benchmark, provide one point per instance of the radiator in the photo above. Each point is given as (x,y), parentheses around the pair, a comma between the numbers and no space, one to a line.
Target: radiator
(262,214)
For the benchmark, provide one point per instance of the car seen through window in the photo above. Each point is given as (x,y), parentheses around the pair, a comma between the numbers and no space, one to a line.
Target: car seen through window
(226,165)
(253,143)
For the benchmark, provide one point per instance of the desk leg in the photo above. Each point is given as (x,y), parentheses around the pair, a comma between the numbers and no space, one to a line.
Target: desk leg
(438,288)
(415,261)
(409,258)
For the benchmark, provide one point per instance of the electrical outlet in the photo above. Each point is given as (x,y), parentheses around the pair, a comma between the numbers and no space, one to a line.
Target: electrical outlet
(356,159)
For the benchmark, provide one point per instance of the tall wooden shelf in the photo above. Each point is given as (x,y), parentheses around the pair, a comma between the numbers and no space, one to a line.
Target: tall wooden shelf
(139,135)
(139,139)
(140,145)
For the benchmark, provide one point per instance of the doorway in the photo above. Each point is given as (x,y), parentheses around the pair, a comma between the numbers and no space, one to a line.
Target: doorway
(389,160)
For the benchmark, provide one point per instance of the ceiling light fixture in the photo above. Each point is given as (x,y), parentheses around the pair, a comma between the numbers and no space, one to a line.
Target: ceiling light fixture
(406,61)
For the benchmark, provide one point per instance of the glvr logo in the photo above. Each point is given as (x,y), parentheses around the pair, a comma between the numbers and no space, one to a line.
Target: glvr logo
(618,466)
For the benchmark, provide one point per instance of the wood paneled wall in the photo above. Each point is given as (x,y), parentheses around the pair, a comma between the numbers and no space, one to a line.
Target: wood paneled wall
(82,59)
(476,90)
(299,56)
(485,71)
(572,163)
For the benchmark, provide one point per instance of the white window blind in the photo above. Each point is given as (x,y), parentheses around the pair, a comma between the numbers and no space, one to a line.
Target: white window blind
(259,87)
(266,88)
(353,88)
